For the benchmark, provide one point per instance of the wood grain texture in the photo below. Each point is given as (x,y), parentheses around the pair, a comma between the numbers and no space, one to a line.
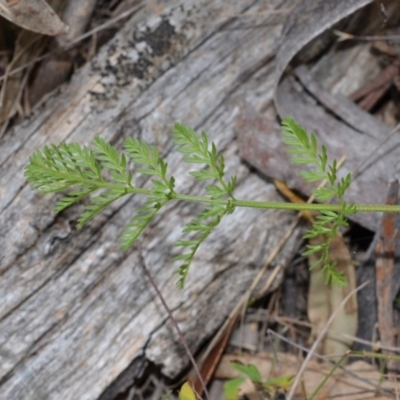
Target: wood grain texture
(309,26)
(340,125)
(77,319)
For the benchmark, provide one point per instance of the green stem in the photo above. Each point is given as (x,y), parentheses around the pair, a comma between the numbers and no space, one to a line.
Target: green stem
(263,204)
(328,376)
(290,206)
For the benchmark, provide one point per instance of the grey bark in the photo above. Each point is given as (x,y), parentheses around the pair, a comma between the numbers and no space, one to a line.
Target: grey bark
(77,319)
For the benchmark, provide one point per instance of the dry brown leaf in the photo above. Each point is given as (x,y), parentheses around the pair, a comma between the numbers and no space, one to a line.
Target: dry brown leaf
(55,69)
(323,300)
(28,46)
(33,15)
(207,368)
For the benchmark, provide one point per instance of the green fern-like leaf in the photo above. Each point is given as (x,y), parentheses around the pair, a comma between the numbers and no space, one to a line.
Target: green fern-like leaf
(110,159)
(79,169)
(139,222)
(203,225)
(200,151)
(57,168)
(305,150)
(163,187)
(141,153)
(102,175)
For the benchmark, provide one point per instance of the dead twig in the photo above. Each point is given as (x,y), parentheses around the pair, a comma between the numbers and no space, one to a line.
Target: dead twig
(373,91)
(342,36)
(173,320)
(378,389)
(385,251)
(319,339)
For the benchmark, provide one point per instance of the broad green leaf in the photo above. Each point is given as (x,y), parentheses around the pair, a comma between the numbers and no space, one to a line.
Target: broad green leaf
(231,388)
(250,371)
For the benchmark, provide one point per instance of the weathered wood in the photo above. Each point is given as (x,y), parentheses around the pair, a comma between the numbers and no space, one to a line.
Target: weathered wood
(360,134)
(266,153)
(76,312)
(309,25)
(344,128)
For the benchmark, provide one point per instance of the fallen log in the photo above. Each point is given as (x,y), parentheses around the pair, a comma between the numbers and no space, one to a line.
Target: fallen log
(78,320)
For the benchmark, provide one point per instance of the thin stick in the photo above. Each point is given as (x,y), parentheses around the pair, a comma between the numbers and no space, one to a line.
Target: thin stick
(257,317)
(378,388)
(348,36)
(173,320)
(369,343)
(328,376)
(318,340)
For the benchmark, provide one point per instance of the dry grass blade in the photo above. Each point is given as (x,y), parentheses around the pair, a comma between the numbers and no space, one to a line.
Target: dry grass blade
(28,46)
(356,376)
(342,36)
(318,340)
(322,300)
(173,321)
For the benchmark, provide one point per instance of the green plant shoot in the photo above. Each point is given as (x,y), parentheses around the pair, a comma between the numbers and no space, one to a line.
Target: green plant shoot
(104,175)
(304,150)
(265,387)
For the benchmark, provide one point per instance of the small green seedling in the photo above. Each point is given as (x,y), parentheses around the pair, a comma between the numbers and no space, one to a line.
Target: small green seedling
(267,387)
(104,175)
